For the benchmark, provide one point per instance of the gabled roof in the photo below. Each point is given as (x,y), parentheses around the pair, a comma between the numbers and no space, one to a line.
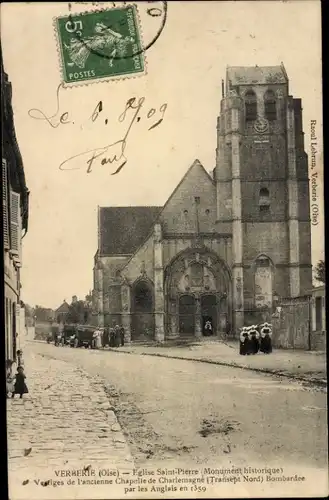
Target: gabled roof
(124,229)
(247,75)
(195,165)
(63,308)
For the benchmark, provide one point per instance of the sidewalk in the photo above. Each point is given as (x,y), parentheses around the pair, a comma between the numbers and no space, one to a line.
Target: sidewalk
(64,422)
(305,366)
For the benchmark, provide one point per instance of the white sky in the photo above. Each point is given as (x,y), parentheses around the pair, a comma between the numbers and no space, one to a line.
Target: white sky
(185,69)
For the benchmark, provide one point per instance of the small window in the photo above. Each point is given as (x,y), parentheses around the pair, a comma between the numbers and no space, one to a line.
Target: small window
(185,212)
(251,106)
(197,200)
(263,261)
(207,211)
(270,105)
(264,200)
(264,208)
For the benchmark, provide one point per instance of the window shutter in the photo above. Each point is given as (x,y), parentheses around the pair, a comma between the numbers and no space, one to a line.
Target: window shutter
(15,223)
(6,238)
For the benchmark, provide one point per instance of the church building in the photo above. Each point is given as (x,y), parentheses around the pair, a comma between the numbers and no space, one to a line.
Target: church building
(225,246)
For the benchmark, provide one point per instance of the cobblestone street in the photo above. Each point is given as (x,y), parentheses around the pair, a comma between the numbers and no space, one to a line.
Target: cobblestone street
(95,409)
(65,421)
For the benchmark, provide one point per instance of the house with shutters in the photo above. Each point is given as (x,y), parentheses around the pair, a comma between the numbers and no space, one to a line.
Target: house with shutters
(224,246)
(15,196)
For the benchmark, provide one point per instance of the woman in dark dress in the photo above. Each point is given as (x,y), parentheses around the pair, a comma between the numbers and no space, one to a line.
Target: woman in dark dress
(20,386)
(254,339)
(111,337)
(105,337)
(117,336)
(243,341)
(122,336)
(266,341)
(207,328)
(249,347)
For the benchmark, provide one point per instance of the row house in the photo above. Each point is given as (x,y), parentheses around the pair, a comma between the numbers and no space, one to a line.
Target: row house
(15,196)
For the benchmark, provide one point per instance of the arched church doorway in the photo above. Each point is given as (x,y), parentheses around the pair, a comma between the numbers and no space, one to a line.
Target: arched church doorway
(208,314)
(195,281)
(142,311)
(187,315)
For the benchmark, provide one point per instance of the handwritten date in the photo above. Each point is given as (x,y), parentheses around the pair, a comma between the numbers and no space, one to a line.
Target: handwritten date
(114,152)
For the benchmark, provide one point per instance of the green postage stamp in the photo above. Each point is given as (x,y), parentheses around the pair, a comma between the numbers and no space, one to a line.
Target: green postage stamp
(100,45)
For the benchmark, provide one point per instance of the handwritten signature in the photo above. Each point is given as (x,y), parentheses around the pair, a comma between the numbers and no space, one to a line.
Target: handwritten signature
(112,153)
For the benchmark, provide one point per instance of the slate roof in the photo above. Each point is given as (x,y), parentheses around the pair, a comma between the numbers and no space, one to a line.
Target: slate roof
(124,229)
(244,75)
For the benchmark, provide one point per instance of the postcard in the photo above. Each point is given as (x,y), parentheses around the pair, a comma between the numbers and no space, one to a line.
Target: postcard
(163,228)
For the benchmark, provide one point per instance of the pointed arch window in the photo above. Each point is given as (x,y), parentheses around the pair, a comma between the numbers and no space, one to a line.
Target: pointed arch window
(264,200)
(142,297)
(270,105)
(251,106)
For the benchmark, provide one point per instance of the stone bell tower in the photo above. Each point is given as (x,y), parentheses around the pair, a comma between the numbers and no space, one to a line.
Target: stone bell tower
(263,189)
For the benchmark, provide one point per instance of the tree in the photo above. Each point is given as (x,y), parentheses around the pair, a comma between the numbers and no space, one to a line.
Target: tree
(79,312)
(76,312)
(89,299)
(320,271)
(43,314)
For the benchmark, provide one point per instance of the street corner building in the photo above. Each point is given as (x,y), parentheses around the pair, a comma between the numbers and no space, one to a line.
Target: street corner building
(226,245)
(15,196)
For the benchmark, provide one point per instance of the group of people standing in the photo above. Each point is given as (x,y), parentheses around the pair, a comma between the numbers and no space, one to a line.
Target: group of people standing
(113,336)
(256,338)
(16,384)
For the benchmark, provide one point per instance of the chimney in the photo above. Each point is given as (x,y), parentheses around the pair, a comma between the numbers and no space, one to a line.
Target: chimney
(223,92)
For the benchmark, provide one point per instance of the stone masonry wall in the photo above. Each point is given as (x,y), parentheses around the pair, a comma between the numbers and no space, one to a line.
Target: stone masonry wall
(269,239)
(179,215)
(142,260)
